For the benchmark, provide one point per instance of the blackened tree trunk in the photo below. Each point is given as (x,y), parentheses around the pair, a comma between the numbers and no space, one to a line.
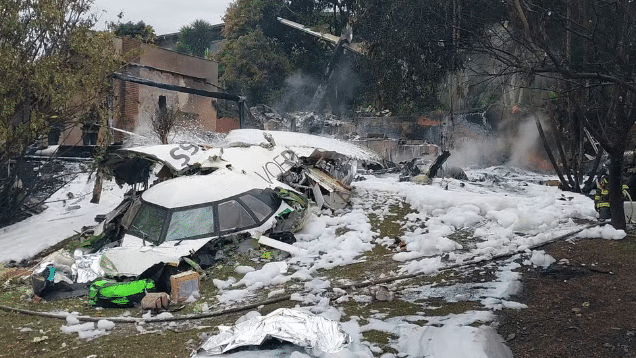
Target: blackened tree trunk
(615,190)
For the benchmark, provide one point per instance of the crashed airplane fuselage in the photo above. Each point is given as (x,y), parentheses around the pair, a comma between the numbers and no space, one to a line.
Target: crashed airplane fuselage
(296,159)
(178,217)
(256,182)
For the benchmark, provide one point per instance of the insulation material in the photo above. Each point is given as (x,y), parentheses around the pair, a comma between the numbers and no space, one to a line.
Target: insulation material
(300,328)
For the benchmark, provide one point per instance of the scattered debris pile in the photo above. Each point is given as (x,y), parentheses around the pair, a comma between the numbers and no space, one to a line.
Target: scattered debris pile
(154,247)
(422,171)
(305,122)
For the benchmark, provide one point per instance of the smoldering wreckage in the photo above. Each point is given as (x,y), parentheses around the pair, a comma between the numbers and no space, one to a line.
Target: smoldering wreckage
(191,205)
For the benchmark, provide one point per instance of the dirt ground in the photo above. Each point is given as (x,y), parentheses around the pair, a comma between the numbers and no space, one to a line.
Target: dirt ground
(582,306)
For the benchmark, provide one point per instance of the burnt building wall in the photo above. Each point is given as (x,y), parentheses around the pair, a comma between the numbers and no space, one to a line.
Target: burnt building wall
(410,128)
(135,104)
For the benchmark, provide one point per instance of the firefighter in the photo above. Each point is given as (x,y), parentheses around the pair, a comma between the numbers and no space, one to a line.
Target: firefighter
(601,199)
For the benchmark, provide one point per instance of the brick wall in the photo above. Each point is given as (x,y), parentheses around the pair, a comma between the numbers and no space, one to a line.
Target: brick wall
(135,104)
(225,125)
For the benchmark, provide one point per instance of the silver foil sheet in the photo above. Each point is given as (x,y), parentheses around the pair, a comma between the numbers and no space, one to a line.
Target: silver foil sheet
(300,328)
(87,268)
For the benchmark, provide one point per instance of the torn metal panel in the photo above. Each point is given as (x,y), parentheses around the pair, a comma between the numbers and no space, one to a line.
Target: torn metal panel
(301,143)
(180,157)
(318,197)
(129,171)
(113,216)
(337,159)
(337,165)
(437,164)
(133,257)
(296,251)
(304,329)
(337,194)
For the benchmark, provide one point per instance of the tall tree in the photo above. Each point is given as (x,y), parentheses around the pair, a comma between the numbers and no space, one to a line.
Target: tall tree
(413,45)
(196,38)
(248,21)
(53,69)
(255,66)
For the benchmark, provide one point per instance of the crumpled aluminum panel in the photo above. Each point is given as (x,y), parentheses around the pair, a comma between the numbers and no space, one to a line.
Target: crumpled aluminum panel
(300,328)
(87,268)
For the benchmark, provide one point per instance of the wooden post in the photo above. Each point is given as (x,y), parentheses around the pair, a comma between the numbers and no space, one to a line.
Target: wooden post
(97,189)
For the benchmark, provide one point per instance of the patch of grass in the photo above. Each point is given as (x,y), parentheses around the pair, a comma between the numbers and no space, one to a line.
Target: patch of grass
(378,252)
(477,324)
(626,246)
(443,308)
(375,262)
(15,295)
(390,225)
(420,322)
(342,230)
(395,308)
(43,338)
(464,237)
(444,278)
(381,339)
(4,274)
(222,271)
(75,242)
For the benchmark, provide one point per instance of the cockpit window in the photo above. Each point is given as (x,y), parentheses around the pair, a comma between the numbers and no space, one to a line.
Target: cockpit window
(233,216)
(247,210)
(148,223)
(258,207)
(191,222)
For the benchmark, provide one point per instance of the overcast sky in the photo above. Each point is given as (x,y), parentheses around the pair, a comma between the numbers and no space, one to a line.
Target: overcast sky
(165,16)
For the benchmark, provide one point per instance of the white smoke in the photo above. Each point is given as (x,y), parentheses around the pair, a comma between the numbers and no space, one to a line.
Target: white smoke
(525,144)
(515,143)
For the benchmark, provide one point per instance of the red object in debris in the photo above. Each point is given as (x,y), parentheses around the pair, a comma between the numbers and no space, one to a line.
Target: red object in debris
(427,122)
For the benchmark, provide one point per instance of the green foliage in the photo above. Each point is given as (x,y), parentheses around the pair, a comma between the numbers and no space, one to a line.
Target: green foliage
(243,17)
(253,23)
(53,67)
(412,46)
(255,65)
(140,31)
(77,243)
(196,38)
(4,275)
(182,47)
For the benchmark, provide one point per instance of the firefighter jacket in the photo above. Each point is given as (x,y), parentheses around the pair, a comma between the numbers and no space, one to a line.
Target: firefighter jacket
(601,199)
